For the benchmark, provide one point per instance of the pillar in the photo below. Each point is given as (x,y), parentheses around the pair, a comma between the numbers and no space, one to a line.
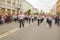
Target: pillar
(11,8)
(6,1)
(15,11)
(0,10)
(6,11)
(11,11)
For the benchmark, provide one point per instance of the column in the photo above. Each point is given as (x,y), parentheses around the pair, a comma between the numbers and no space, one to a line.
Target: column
(11,5)
(6,11)
(11,11)
(5,8)
(6,1)
(15,2)
(18,2)
(15,11)
(0,10)
(19,11)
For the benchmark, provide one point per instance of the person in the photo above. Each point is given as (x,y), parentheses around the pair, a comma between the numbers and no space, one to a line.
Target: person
(56,20)
(39,19)
(1,21)
(8,18)
(59,20)
(32,18)
(49,21)
(5,18)
(15,18)
(29,19)
(21,19)
(26,17)
(42,18)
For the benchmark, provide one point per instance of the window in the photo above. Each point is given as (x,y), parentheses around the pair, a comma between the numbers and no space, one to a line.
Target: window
(9,1)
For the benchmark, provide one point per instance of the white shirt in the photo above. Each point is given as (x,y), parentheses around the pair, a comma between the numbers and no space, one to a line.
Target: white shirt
(32,16)
(29,16)
(59,17)
(21,16)
(15,16)
(50,18)
(39,17)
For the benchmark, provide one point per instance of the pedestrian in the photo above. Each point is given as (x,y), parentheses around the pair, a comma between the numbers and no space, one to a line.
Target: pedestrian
(29,18)
(21,20)
(15,18)
(42,18)
(49,21)
(59,20)
(5,18)
(1,21)
(39,19)
(56,20)
(8,18)
(32,18)
(26,17)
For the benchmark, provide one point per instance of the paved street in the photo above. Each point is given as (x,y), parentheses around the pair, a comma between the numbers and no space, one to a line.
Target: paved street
(34,32)
(13,13)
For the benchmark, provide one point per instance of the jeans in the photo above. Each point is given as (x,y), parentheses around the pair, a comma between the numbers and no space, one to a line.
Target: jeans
(21,23)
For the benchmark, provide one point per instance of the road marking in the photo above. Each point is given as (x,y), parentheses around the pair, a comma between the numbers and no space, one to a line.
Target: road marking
(10,32)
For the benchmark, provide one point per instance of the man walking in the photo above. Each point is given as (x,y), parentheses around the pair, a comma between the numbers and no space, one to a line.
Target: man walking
(39,19)
(29,18)
(32,18)
(49,20)
(21,19)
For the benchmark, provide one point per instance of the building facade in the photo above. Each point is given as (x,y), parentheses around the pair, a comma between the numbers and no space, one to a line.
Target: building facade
(26,6)
(58,6)
(9,6)
(53,10)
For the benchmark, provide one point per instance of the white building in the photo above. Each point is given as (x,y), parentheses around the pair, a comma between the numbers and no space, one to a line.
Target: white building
(35,10)
(9,6)
(53,10)
(26,6)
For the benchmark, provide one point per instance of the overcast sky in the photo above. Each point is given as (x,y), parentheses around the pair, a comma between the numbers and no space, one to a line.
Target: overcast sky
(42,4)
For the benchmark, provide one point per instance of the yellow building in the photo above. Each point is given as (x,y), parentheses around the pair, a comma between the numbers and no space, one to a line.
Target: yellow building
(58,6)
(9,6)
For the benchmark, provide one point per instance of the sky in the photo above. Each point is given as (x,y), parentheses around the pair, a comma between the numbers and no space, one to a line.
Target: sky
(44,5)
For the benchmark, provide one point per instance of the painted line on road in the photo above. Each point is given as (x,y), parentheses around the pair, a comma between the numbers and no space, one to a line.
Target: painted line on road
(9,32)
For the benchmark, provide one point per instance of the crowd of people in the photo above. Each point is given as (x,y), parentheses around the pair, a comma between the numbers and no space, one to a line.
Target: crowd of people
(25,17)
(8,18)
(56,19)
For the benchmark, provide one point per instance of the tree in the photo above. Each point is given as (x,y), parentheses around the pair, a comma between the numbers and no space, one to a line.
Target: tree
(41,12)
(58,13)
(29,11)
(36,13)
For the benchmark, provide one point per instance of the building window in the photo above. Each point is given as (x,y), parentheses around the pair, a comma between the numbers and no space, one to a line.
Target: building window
(2,0)
(13,2)
(9,1)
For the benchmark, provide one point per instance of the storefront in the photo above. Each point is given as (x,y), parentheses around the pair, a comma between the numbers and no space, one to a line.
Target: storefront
(2,11)
(9,11)
(13,11)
